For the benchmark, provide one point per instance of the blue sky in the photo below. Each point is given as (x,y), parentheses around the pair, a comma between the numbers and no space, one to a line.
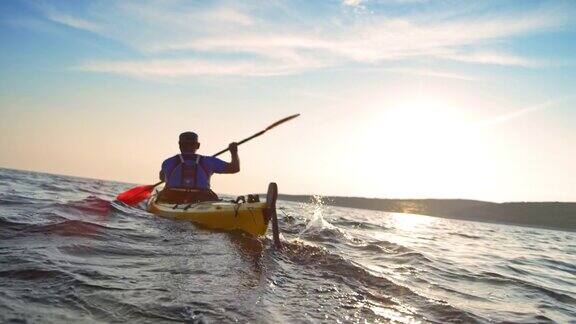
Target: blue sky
(384,87)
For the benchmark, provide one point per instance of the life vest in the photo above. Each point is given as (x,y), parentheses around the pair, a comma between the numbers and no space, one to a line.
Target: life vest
(185,174)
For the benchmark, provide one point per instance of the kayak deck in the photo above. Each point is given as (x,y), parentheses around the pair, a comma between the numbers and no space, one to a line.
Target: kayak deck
(218,215)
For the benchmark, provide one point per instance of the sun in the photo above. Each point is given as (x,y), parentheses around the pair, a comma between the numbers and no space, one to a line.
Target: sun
(419,127)
(417,122)
(422,146)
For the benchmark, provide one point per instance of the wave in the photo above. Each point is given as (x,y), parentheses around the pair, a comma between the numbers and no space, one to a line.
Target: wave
(354,224)
(12,229)
(310,255)
(109,250)
(29,274)
(560,265)
(338,268)
(500,279)
(90,205)
(70,228)
(17,198)
(464,235)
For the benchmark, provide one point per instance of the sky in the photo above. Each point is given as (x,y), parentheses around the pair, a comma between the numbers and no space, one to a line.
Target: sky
(399,98)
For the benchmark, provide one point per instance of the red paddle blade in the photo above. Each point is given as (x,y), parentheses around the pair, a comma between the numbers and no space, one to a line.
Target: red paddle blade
(136,194)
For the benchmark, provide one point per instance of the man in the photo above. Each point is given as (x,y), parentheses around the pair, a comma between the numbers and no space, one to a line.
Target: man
(187,175)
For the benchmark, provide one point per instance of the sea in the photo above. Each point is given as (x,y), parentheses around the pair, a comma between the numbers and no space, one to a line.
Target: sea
(70,253)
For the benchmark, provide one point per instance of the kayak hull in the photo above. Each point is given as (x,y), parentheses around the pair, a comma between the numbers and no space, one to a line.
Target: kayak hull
(251,218)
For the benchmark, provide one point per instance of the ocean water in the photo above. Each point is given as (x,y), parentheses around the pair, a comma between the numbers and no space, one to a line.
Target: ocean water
(69,253)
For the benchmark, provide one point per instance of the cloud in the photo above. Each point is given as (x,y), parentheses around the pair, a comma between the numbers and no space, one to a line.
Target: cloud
(73,22)
(504,118)
(432,73)
(174,68)
(281,39)
(62,18)
(352,2)
(230,15)
(492,58)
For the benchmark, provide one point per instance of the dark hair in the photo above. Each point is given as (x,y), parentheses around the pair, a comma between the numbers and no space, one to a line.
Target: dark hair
(188,137)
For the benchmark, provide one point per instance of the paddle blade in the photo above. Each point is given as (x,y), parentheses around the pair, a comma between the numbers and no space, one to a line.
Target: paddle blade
(281,121)
(135,195)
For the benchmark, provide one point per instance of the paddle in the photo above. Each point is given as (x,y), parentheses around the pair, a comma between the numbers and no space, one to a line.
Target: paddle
(137,194)
(281,121)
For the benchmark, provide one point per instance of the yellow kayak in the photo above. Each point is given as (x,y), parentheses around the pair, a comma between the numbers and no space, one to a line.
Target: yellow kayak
(219,215)
(250,217)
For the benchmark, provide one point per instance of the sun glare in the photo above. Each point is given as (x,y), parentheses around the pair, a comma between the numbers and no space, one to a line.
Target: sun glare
(424,144)
(410,222)
(414,123)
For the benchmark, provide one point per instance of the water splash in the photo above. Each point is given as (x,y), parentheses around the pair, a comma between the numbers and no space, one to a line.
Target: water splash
(315,210)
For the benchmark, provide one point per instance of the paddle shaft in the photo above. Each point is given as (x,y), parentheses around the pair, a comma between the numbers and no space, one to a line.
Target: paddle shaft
(281,121)
(241,142)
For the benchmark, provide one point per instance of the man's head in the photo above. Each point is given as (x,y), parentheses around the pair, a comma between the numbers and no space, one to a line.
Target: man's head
(188,142)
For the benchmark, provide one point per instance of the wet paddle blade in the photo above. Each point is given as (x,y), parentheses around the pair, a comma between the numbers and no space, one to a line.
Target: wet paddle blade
(135,195)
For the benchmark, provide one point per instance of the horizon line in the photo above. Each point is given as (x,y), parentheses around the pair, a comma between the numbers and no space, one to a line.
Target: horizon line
(292,194)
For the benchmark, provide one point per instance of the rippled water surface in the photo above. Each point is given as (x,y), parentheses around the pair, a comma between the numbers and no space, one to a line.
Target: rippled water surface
(69,253)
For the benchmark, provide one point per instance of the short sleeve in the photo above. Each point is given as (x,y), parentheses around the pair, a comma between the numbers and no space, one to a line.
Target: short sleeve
(215,164)
(164,166)
(167,164)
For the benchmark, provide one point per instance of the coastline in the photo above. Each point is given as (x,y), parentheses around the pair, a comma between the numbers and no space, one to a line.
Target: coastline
(546,215)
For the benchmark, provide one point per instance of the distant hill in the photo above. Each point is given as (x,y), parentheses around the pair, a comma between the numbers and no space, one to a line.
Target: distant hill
(559,215)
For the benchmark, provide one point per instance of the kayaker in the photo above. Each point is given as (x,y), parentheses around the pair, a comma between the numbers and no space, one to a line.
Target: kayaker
(187,175)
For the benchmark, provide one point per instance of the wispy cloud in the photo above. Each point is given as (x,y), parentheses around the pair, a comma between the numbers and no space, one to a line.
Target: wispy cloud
(504,118)
(257,42)
(352,2)
(492,58)
(73,22)
(433,73)
(174,68)
(69,20)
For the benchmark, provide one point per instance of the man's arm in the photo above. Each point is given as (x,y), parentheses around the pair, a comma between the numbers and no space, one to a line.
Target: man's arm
(234,165)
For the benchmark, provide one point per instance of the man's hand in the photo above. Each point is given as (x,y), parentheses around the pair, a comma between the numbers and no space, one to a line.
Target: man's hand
(233,147)
(234,165)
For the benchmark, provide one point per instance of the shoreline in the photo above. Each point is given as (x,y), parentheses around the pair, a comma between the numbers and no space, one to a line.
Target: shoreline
(545,215)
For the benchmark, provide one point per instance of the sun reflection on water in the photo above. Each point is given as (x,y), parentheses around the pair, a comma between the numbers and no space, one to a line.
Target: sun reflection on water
(410,222)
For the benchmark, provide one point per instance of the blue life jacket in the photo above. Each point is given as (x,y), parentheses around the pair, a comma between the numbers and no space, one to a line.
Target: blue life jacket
(185,174)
